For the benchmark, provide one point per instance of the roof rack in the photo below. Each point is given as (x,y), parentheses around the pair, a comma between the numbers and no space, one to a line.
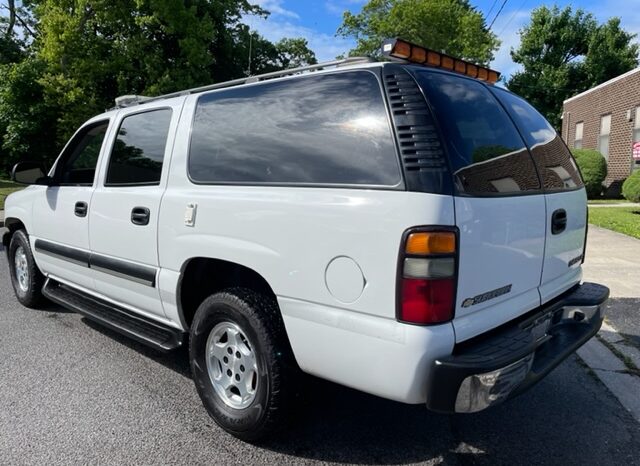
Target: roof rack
(130,100)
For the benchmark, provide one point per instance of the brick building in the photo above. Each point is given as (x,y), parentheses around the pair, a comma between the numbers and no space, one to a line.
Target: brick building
(607,118)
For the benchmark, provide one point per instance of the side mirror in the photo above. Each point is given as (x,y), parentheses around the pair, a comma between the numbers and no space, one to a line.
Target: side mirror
(30,173)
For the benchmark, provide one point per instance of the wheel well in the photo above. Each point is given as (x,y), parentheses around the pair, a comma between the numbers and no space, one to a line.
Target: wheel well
(202,277)
(13,224)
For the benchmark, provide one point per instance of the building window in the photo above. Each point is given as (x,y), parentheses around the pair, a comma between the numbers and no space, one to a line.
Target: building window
(636,139)
(603,139)
(577,144)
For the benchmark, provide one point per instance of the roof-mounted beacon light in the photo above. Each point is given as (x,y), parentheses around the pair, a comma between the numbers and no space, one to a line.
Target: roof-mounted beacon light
(401,49)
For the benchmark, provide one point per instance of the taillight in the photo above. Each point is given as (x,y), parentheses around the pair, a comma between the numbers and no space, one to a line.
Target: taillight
(427,276)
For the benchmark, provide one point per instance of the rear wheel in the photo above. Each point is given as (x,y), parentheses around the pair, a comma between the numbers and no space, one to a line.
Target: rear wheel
(242,363)
(26,278)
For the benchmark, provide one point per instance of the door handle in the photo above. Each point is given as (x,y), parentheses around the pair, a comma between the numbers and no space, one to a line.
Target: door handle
(140,216)
(81,209)
(558,221)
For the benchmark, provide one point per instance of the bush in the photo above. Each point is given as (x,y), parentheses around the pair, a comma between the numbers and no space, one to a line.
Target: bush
(594,170)
(631,187)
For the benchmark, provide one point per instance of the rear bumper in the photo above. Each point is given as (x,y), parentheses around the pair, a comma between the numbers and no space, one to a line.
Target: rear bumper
(507,361)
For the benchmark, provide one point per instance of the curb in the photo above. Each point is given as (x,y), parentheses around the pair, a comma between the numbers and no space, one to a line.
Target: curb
(619,375)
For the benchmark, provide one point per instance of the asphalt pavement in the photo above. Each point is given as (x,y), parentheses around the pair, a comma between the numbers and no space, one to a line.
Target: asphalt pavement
(72,392)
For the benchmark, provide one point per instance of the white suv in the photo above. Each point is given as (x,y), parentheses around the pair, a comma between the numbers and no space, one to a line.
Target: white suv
(403,230)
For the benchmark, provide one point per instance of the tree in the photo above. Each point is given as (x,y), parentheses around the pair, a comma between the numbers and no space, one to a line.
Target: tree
(564,53)
(27,122)
(451,26)
(96,50)
(69,59)
(15,32)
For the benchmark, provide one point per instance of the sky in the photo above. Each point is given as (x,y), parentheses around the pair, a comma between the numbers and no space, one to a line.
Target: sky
(318,20)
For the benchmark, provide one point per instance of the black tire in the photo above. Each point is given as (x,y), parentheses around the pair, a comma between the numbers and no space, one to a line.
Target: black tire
(31,296)
(258,317)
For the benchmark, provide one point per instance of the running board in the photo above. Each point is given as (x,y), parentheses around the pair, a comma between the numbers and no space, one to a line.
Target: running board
(139,328)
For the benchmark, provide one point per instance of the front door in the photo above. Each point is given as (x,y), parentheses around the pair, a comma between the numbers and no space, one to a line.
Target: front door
(60,233)
(123,219)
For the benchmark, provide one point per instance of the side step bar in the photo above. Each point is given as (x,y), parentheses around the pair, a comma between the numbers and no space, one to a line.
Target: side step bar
(139,328)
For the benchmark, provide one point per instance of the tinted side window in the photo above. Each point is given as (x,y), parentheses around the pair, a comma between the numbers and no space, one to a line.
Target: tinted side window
(81,155)
(326,129)
(555,164)
(486,153)
(138,151)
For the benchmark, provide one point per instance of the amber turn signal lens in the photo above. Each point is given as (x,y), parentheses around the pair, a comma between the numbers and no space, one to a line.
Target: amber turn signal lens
(431,242)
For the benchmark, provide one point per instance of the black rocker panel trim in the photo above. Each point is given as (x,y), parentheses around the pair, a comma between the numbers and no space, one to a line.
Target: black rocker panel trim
(77,256)
(135,272)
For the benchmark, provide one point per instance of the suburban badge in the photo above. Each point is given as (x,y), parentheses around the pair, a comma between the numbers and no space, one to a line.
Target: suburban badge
(481,298)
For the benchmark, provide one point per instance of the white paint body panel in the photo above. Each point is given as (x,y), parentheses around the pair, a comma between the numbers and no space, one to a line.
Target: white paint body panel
(564,247)
(501,243)
(376,355)
(54,220)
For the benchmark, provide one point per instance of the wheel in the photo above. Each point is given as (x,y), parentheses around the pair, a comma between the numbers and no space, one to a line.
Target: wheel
(242,363)
(26,278)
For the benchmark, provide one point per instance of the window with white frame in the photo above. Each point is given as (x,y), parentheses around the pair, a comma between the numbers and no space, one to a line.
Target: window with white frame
(603,138)
(577,143)
(636,138)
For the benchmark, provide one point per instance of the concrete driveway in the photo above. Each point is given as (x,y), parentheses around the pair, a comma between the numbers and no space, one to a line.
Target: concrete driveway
(72,392)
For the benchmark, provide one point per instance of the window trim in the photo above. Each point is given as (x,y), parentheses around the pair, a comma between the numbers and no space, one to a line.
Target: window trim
(635,164)
(113,141)
(58,167)
(636,124)
(610,115)
(575,134)
(400,186)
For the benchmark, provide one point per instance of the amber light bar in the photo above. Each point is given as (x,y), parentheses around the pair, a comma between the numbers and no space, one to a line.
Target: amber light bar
(398,48)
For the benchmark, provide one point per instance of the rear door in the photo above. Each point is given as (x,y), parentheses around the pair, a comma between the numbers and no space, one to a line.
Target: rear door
(565,199)
(499,204)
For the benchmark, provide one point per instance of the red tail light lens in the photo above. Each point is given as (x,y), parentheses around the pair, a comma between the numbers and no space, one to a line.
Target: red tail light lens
(427,301)
(427,276)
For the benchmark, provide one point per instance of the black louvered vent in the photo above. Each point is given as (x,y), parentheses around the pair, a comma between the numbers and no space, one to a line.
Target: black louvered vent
(422,154)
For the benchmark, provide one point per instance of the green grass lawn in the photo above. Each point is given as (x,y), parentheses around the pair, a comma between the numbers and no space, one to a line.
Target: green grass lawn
(607,201)
(621,219)
(6,188)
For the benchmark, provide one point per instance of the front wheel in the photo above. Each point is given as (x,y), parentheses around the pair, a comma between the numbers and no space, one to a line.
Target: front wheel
(242,363)
(26,278)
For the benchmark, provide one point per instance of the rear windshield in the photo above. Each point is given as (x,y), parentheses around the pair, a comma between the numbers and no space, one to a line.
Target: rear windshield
(326,129)
(550,154)
(486,153)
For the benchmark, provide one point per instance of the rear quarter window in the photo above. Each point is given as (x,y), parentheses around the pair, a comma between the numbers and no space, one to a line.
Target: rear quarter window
(553,159)
(486,153)
(326,129)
